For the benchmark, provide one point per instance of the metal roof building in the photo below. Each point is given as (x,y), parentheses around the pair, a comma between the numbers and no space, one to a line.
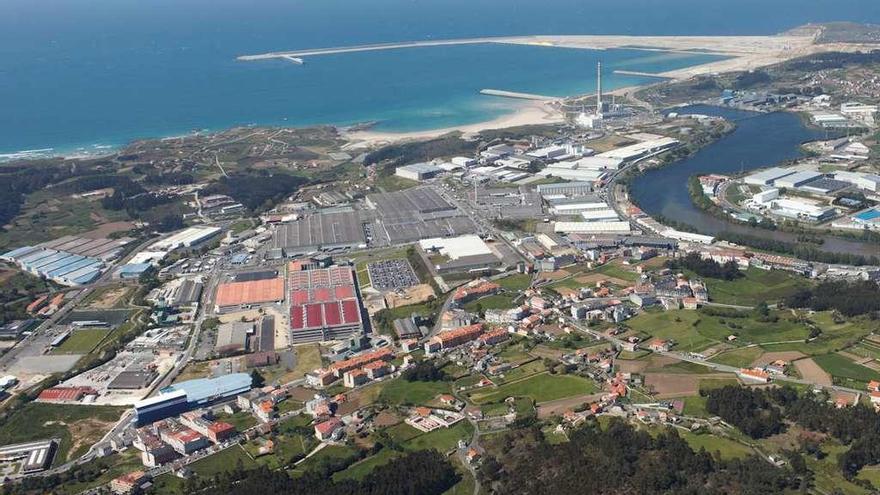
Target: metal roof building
(767,177)
(204,390)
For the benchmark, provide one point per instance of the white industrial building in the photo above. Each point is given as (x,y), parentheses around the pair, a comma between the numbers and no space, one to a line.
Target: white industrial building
(767,177)
(830,120)
(456,247)
(575,208)
(800,209)
(463,161)
(570,171)
(859,111)
(688,236)
(641,150)
(565,189)
(868,182)
(797,179)
(593,227)
(765,196)
(418,171)
(603,215)
(186,238)
(599,162)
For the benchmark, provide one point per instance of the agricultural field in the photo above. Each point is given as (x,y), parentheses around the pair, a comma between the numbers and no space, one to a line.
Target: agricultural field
(498,301)
(726,448)
(400,391)
(742,357)
(77,427)
(362,468)
(222,461)
(842,368)
(540,388)
(515,282)
(442,439)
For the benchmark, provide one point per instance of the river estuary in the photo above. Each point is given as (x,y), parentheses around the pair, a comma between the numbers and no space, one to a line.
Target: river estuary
(759,140)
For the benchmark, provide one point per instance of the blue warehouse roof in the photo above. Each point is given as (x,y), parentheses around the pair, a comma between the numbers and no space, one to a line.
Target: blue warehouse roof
(207,389)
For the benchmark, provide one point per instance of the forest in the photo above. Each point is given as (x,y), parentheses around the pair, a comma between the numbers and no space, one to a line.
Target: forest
(706,267)
(622,460)
(850,298)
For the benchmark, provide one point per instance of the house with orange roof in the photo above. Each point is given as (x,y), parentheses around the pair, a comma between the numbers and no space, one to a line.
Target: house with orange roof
(754,375)
(874,386)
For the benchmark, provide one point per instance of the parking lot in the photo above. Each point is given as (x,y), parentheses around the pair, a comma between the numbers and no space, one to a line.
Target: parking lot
(392,274)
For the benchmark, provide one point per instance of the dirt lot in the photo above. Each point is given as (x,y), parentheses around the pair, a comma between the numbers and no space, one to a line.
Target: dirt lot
(104,230)
(592,278)
(557,275)
(385,419)
(631,366)
(769,357)
(413,295)
(668,385)
(110,298)
(811,371)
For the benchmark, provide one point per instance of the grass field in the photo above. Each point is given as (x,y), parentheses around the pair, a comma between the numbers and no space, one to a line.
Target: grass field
(78,427)
(332,452)
(363,467)
(442,439)
(755,286)
(540,388)
(834,336)
(695,331)
(840,367)
(726,449)
(742,358)
(223,461)
(498,301)
(400,391)
(241,420)
(515,282)
(616,270)
(82,341)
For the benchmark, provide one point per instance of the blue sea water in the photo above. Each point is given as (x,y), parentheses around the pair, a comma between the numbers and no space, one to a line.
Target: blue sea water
(75,73)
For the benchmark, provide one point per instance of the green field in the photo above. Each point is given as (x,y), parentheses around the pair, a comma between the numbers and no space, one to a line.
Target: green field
(518,373)
(400,391)
(498,301)
(834,336)
(223,461)
(515,282)
(442,439)
(695,331)
(330,453)
(615,270)
(78,427)
(727,449)
(540,388)
(82,341)
(840,367)
(363,467)
(242,420)
(755,286)
(743,357)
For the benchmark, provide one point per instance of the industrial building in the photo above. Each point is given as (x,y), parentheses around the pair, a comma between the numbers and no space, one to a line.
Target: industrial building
(184,396)
(34,456)
(869,182)
(459,254)
(797,179)
(565,189)
(593,227)
(767,177)
(418,171)
(186,238)
(765,196)
(232,296)
(324,304)
(418,213)
(575,206)
(600,215)
(640,150)
(233,337)
(69,260)
(321,231)
(801,209)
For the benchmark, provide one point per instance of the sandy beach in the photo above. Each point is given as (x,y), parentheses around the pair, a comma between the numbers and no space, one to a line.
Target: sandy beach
(529,113)
(742,52)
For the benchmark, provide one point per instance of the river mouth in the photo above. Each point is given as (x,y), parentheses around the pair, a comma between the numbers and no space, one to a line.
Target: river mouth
(760,140)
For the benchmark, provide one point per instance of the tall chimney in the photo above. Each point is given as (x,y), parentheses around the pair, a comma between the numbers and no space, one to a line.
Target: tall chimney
(598,88)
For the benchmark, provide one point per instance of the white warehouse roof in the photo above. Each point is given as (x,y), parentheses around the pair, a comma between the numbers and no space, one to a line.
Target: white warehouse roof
(457,247)
(592,227)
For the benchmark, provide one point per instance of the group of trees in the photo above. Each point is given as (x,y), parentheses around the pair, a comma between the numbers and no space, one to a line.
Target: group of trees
(849,298)
(257,191)
(747,409)
(396,155)
(424,371)
(621,460)
(706,267)
(761,412)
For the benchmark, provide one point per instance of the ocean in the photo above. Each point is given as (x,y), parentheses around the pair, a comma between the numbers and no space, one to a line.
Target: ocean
(82,75)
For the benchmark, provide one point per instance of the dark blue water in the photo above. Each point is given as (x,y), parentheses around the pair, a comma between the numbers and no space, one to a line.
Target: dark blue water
(79,72)
(760,140)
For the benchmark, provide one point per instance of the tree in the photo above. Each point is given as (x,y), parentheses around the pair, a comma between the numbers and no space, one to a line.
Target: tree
(257,379)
